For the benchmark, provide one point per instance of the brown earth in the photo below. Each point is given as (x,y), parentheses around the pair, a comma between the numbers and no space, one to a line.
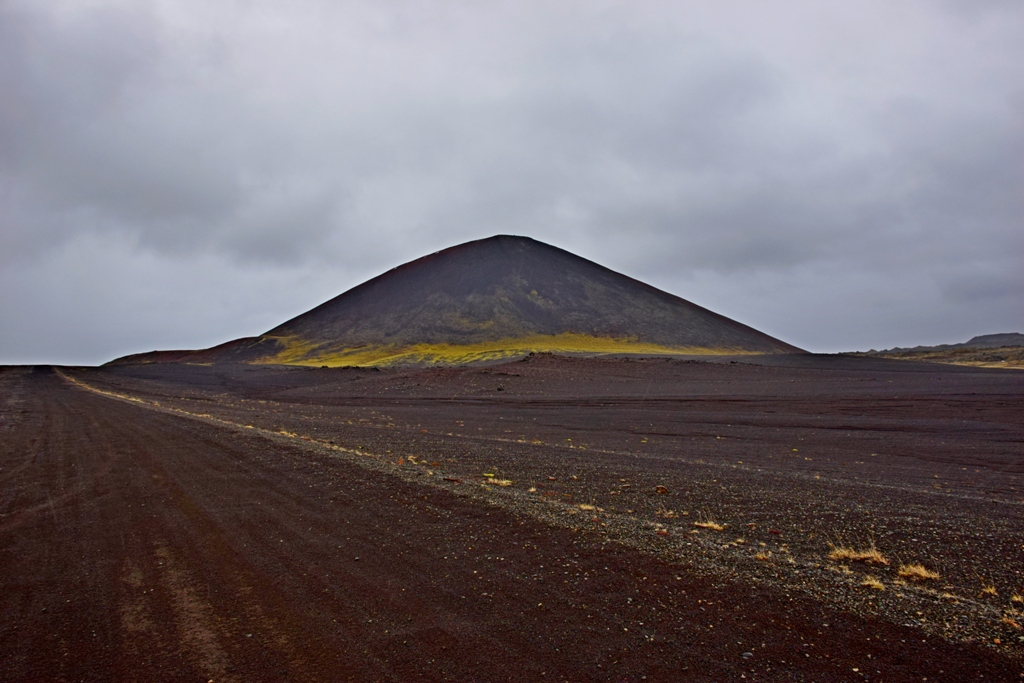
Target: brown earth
(527,521)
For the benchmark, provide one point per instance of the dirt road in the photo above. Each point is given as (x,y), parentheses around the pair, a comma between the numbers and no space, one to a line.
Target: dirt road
(140,545)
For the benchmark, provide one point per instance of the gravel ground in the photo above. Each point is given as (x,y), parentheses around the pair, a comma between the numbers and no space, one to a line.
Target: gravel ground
(743,474)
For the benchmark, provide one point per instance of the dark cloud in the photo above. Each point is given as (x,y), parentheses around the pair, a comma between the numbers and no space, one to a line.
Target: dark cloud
(842,177)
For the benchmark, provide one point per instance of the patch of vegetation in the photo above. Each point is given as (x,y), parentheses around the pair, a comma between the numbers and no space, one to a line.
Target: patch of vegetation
(869,555)
(873,582)
(709,523)
(917,572)
(665,513)
(295,351)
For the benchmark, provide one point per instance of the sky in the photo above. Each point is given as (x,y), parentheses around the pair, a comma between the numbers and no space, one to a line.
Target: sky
(179,173)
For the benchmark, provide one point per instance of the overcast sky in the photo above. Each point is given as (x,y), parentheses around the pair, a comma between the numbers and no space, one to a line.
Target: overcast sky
(178,173)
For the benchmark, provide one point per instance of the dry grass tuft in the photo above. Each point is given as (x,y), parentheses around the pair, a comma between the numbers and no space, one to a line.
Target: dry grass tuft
(917,572)
(872,582)
(1017,597)
(587,506)
(989,590)
(1011,623)
(666,514)
(763,556)
(708,522)
(870,555)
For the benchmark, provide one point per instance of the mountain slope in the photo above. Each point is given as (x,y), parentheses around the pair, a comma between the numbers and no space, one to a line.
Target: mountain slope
(495,298)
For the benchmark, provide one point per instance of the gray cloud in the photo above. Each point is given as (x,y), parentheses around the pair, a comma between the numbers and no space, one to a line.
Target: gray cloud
(841,177)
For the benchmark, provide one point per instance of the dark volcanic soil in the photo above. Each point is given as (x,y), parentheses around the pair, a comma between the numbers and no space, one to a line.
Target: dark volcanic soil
(529,521)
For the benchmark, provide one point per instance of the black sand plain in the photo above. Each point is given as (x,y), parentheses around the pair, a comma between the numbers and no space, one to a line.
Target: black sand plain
(546,519)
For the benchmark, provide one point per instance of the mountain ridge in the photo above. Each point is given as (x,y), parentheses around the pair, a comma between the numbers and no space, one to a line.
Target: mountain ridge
(1002,350)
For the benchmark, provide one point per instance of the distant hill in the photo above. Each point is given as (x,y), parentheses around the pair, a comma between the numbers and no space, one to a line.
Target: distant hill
(994,341)
(1004,350)
(485,300)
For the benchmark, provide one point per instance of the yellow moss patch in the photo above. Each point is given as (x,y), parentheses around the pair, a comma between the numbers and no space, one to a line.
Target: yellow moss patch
(293,351)
(299,352)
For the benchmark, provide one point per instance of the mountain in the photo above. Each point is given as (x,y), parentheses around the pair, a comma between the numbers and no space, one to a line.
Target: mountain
(994,341)
(490,299)
(1005,350)
(1004,340)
